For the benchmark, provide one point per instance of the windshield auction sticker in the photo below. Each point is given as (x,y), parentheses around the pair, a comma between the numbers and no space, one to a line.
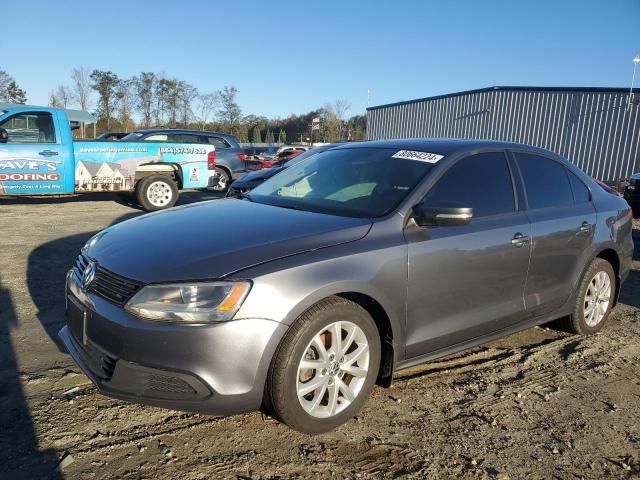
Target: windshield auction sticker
(421,156)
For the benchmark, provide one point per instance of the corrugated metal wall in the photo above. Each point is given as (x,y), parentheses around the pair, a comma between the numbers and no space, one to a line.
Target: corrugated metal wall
(596,130)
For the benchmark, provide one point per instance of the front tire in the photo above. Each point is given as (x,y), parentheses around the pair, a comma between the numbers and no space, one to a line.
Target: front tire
(595,298)
(156,192)
(325,367)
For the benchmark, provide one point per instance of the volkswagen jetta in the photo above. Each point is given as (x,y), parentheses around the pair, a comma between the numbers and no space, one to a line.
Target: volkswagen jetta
(342,269)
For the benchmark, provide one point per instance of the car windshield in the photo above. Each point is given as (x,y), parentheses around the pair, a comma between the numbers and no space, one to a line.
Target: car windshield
(132,137)
(358,182)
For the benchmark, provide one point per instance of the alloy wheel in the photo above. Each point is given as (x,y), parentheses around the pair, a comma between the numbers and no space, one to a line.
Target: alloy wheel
(333,369)
(597,299)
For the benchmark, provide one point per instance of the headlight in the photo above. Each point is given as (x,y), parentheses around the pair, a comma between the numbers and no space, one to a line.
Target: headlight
(93,240)
(189,303)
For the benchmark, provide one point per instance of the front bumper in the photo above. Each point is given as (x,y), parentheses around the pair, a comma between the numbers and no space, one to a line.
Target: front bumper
(217,369)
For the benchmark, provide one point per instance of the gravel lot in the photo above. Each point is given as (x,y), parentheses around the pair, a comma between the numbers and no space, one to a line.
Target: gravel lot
(539,404)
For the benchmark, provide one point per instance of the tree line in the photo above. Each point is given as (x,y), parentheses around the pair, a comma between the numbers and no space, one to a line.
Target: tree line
(152,100)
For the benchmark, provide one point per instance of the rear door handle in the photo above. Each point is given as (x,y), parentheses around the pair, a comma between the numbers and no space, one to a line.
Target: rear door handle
(519,240)
(585,227)
(47,153)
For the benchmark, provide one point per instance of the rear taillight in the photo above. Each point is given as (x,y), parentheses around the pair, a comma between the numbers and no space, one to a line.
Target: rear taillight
(211,160)
(242,156)
(267,164)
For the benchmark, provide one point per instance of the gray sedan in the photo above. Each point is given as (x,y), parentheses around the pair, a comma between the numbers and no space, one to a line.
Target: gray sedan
(341,270)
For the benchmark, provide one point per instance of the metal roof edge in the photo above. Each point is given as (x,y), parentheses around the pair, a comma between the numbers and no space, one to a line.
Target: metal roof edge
(509,88)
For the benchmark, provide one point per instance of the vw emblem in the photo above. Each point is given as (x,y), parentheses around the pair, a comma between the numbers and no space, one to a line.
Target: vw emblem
(88,275)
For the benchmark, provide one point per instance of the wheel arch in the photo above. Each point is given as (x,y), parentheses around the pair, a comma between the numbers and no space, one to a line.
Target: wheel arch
(380,317)
(613,258)
(172,170)
(388,329)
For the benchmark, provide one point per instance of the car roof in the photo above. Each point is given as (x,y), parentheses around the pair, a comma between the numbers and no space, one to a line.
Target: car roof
(181,130)
(443,146)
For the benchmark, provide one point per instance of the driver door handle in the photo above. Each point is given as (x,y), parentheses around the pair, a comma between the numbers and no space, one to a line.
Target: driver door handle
(519,240)
(47,153)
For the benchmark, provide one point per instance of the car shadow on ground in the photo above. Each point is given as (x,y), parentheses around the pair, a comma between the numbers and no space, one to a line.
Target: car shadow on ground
(17,433)
(46,270)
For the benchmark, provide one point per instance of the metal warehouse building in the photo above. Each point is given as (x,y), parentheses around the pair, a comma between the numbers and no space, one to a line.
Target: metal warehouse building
(596,128)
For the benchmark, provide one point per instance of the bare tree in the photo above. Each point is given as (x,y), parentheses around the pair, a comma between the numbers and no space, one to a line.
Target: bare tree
(64,95)
(206,104)
(186,95)
(340,108)
(81,90)
(54,101)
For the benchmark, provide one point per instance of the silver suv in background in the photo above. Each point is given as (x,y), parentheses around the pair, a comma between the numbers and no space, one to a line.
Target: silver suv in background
(345,267)
(230,157)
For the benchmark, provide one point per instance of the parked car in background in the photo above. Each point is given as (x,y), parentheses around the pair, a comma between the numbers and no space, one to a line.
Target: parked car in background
(38,156)
(230,160)
(632,194)
(264,152)
(111,136)
(341,269)
(253,179)
(258,162)
(287,148)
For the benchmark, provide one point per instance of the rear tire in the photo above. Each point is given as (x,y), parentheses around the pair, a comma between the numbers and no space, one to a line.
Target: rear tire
(224,182)
(343,372)
(156,192)
(594,300)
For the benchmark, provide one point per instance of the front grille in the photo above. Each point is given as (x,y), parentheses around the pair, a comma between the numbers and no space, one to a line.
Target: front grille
(107,284)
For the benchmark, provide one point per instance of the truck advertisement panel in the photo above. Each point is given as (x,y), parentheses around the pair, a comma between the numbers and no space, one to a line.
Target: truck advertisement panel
(26,173)
(97,167)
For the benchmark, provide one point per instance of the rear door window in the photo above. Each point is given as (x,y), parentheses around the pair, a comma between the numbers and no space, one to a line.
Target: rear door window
(481,181)
(183,138)
(545,180)
(156,137)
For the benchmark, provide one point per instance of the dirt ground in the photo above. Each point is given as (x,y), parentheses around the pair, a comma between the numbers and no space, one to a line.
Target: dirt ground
(539,404)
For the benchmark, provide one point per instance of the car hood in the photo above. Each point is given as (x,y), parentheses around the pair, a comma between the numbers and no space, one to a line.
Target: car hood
(213,239)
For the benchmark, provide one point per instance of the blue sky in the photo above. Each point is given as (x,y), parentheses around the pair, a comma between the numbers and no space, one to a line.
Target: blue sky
(293,56)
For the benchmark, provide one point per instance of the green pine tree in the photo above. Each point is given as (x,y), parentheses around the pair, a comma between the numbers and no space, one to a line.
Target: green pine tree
(282,136)
(243,134)
(269,138)
(256,136)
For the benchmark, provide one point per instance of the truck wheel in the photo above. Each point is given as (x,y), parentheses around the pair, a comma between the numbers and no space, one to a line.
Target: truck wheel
(156,192)
(223,182)
(325,367)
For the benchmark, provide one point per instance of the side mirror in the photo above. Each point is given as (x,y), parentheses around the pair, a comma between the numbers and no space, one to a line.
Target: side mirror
(4,136)
(442,215)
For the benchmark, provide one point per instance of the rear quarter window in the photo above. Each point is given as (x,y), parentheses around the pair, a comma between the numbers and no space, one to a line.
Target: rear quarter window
(545,180)
(581,193)
(219,142)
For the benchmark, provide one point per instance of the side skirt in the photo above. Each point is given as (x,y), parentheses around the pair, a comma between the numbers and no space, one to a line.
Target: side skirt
(474,342)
